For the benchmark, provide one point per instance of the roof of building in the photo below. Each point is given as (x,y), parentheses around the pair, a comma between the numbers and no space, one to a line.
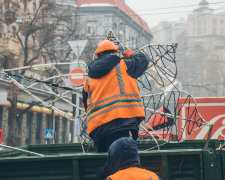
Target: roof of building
(122,6)
(203,6)
(204,3)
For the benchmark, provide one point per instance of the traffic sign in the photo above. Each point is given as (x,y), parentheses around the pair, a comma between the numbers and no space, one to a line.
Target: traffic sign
(77,76)
(49,134)
(78,46)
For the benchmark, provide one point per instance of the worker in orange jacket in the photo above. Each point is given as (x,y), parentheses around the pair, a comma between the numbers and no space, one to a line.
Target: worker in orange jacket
(111,95)
(123,163)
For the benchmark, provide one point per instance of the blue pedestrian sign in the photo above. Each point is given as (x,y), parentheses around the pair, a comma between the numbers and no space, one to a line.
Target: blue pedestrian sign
(49,134)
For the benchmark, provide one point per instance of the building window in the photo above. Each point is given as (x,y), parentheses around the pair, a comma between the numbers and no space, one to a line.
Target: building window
(204,26)
(24,5)
(61,52)
(115,27)
(62,26)
(193,31)
(204,22)
(199,27)
(6,2)
(193,28)
(132,43)
(122,32)
(33,39)
(214,26)
(222,30)
(214,22)
(5,28)
(91,28)
(199,31)
(204,30)
(14,31)
(214,30)
(34,6)
(221,26)
(108,23)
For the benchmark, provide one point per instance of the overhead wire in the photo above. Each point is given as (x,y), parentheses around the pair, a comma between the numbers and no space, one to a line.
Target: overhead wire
(84,16)
(148,10)
(174,7)
(169,27)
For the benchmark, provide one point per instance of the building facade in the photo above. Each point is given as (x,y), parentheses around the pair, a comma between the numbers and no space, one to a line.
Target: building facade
(201,53)
(96,19)
(204,22)
(167,32)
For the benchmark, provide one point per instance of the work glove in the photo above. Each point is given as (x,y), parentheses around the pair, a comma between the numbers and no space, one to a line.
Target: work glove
(126,54)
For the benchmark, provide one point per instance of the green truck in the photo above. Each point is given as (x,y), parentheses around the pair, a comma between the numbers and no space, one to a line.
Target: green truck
(190,160)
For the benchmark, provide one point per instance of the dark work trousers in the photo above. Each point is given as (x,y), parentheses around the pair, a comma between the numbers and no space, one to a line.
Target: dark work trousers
(103,144)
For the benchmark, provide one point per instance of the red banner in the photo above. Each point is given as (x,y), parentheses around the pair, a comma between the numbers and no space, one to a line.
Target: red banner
(212,110)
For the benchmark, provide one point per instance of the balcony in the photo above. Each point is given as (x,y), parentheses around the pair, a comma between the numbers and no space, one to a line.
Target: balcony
(9,45)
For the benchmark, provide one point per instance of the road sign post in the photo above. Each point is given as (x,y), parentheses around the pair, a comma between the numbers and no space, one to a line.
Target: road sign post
(77,77)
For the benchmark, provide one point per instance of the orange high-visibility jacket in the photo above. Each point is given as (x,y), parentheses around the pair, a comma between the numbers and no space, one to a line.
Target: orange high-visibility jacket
(133,173)
(115,95)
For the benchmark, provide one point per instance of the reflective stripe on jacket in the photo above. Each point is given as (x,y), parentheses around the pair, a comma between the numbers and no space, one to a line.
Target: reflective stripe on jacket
(115,95)
(133,173)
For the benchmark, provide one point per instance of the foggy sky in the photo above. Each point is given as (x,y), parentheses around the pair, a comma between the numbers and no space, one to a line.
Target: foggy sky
(154,11)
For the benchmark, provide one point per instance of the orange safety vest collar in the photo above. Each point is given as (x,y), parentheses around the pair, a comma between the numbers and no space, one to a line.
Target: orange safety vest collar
(115,95)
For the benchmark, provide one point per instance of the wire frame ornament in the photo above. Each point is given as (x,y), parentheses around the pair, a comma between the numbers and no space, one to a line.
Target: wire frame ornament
(162,67)
(163,101)
(164,116)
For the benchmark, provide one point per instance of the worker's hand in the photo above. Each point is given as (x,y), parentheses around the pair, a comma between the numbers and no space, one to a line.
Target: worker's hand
(127,54)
